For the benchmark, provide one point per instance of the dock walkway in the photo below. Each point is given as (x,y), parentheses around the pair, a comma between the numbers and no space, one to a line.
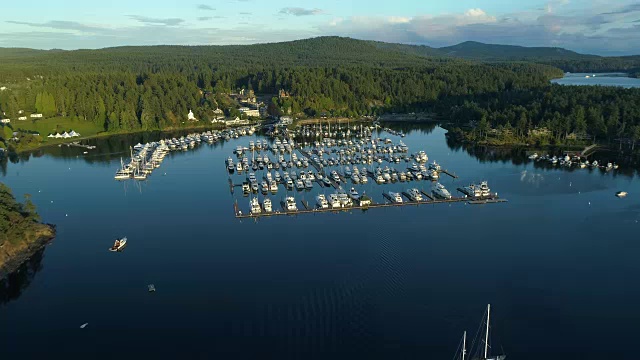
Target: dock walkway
(308,209)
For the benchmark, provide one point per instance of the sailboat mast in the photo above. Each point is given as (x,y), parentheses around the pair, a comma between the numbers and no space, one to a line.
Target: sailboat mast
(486,335)
(464,345)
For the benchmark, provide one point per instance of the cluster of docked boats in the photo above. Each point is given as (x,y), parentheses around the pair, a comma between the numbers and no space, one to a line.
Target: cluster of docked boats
(477,190)
(335,131)
(342,199)
(147,157)
(573,161)
(438,190)
(144,159)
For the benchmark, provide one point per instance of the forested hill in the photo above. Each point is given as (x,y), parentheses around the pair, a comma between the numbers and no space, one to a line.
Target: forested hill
(477,50)
(321,51)
(151,87)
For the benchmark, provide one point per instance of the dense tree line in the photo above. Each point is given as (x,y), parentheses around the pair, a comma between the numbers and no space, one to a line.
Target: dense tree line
(131,88)
(606,113)
(16,220)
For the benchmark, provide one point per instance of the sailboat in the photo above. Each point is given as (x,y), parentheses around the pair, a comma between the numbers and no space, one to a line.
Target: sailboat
(481,352)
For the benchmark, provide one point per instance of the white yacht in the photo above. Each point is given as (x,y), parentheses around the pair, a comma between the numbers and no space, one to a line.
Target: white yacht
(472,190)
(291,204)
(434,166)
(484,188)
(308,184)
(122,175)
(414,194)
(299,184)
(396,197)
(264,186)
(334,201)
(255,206)
(335,177)
(533,156)
(267,205)
(440,191)
(273,186)
(344,198)
(353,193)
(321,201)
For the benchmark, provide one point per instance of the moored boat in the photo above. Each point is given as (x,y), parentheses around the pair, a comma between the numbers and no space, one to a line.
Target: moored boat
(119,244)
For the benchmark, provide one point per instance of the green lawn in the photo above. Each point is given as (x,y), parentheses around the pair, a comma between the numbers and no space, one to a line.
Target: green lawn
(57,124)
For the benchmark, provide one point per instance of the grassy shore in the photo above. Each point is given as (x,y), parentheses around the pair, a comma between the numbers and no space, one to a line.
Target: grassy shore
(87,131)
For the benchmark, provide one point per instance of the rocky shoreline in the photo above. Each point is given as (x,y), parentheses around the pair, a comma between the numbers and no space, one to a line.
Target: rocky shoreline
(12,256)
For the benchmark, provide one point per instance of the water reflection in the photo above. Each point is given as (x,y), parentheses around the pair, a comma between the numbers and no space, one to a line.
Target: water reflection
(629,166)
(15,283)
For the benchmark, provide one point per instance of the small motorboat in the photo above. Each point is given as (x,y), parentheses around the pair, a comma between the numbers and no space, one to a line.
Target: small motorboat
(151,287)
(621,194)
(119,244)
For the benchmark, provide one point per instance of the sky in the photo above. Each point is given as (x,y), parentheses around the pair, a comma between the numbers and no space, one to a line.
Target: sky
(603,27)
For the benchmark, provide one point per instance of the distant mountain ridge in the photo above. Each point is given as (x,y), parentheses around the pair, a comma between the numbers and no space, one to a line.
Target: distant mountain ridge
(341,51)
(478,50)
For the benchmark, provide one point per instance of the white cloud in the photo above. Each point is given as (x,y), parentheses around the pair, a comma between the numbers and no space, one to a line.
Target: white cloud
(398,20)
(298,11)
(602,28)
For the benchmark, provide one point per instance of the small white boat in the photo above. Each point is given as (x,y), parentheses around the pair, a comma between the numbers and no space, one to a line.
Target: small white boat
(334,201)
(291,204)
(353,193)
(119,244)
(267,205)
(621,194)
(440,191)
(414,194)
(151,287)
(255,206)
(396,197)
(321,201)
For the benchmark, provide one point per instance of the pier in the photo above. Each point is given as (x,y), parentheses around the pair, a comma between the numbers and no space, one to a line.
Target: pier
(308,209)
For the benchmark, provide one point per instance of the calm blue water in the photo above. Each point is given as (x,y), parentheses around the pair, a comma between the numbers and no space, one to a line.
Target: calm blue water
(558,263)
(604,79)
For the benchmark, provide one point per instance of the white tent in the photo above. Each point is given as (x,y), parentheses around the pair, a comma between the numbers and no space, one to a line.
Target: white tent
(74,134)
(57,136)
(66,135)
(51,136)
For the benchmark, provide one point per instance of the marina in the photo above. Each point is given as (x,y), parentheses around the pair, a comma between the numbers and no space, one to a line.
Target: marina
(324,168)
(145,158)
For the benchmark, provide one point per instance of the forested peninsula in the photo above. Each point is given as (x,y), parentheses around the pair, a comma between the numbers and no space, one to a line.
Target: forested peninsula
(21,233)
(482,89)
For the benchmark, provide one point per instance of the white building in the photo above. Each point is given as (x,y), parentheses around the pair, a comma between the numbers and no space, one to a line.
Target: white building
(286,120)
(36,115)
(237,121)
(5,121)
(3,88)
(23,118)
(190,116)
(249,112)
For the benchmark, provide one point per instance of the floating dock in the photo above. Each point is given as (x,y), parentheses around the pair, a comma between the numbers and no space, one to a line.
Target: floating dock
(309,209)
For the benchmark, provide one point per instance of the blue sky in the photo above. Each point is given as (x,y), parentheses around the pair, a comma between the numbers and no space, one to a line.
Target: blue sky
(608,27)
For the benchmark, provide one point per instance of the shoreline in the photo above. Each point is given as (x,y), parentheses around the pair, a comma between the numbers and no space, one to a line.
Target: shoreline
(119,133)
(13,256)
